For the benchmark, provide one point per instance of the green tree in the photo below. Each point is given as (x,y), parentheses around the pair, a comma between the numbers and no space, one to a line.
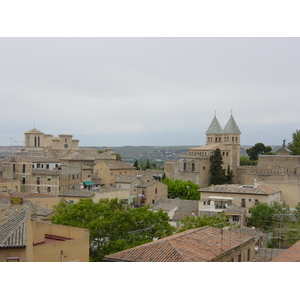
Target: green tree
(136,164)
(262,216)
(118,157)
(245,161)
(113,226)
(229,175)
(294,146)
(258,149)
(182,189)
(147,165)
(297,212)
(217,173)
(190,222)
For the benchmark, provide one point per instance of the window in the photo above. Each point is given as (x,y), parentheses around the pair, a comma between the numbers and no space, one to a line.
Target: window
(38,189)
(71,202)
(4,189)
(12,259)
(48,178)
(203,168)
(184,166)
(38,165)
(125,201)
(23,179)
(243,203)
(14,168)
(235,218)
(240,257)
(47,166)
(153,201)
(248,254)
(256,201)
(155,191)
(24,168)
(38,180)
(48,189)
(193,167)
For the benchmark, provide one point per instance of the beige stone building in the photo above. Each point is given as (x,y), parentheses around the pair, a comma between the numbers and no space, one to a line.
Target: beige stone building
(42,200)
(73,196)
(244,196)
(194,165)
(108,170)
(24,239)
(50,164)
(149,192)
(9,186)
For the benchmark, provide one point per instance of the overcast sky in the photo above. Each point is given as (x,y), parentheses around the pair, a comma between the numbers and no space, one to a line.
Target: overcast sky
(149,91)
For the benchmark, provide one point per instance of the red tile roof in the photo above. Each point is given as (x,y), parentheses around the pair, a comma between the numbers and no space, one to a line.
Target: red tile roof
(291,254)
(194,245)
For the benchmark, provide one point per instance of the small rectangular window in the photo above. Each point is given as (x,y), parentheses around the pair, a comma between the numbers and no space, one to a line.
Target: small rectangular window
(243,203)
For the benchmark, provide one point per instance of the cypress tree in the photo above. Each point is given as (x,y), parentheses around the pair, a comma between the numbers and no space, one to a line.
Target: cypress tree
(217,173)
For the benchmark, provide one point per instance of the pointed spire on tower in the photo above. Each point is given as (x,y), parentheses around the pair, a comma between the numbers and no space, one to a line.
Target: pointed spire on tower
(214,127)
(231,126)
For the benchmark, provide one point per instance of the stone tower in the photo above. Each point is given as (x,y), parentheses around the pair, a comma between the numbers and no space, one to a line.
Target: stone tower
(34,141)
(231,138)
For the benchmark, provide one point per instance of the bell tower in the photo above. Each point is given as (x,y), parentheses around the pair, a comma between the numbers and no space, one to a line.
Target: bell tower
(231,137)
(214,133)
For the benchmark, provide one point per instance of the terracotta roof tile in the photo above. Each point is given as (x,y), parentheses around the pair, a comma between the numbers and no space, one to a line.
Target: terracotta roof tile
(291,254)
(194,245)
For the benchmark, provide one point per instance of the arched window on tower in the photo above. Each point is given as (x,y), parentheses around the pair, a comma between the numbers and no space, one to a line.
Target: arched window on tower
(35,141)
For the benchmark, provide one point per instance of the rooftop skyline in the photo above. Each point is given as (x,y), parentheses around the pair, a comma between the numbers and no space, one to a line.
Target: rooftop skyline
(149,91)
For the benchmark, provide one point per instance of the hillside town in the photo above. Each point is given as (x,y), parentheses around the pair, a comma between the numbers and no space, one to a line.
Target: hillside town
(48,186)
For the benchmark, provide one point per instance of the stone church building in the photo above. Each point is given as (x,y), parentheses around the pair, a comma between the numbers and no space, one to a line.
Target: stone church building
(194,165)
(281,171)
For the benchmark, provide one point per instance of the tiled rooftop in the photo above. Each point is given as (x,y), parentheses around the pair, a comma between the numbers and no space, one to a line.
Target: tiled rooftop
(125,179)
(291,254)
(13,225)
(194,245)
(117,165)
(76,193)
(238,189)
(231,127)
(214,127)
